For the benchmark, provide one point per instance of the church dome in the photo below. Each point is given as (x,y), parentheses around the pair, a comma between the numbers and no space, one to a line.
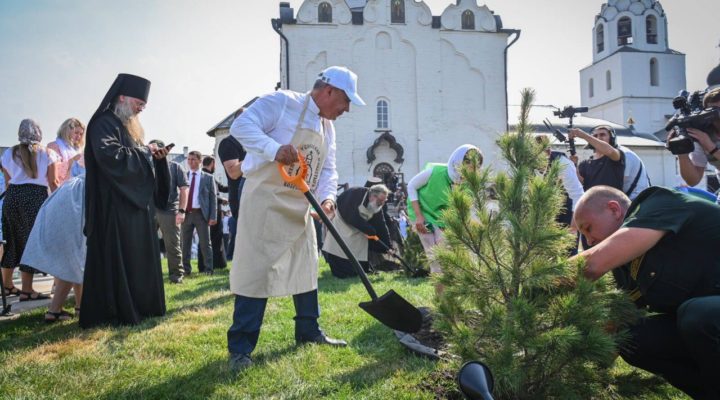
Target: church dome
(612,8)
(713,77)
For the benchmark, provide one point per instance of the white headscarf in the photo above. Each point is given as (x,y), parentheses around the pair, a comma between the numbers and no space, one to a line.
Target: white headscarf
(456,160)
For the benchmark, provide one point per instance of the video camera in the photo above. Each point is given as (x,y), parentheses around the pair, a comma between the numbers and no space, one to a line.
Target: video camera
(569,112)
(689,114)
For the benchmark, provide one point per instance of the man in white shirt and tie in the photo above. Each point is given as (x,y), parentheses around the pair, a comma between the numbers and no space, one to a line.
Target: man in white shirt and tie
(200,214)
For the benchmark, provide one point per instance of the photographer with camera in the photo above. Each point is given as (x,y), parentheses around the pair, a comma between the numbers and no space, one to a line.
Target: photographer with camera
(607,164)
(705,143)
(661,250)
(612,164)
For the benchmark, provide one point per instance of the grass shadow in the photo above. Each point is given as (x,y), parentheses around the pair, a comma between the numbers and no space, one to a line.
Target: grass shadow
(634,384)
(199,383)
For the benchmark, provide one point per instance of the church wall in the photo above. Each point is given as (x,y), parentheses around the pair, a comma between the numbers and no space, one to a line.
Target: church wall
(444,88)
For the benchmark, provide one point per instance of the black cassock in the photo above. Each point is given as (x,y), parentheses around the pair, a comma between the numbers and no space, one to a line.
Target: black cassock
(123,280)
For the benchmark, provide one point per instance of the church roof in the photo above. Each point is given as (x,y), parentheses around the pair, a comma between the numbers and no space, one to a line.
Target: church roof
(613,8)
(626,135)
(713,77)
(227,121)
(628,49)
(356,4)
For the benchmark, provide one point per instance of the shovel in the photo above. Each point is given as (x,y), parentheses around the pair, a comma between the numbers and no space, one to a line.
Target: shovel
(414,272)
(390,309)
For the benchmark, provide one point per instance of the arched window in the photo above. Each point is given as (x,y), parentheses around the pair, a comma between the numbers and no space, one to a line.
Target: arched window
(591,87)
(651,29)
(397,11)
(600,38)
(608,80)
(654,73)
(383,111)
(625,31)
(468,20)
(325,13)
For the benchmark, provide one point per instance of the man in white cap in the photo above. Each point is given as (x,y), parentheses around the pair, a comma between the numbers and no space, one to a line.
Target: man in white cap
(275,245)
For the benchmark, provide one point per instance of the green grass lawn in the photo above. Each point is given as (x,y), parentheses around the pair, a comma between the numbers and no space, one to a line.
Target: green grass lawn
(183,355)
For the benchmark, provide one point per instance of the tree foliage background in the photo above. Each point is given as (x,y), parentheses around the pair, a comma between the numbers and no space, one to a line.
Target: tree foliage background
(511,298)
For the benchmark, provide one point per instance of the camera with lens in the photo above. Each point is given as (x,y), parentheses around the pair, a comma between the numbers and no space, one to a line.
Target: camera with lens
(689,114)
(569,111)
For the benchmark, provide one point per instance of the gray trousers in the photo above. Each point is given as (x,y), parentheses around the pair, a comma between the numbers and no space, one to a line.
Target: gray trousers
(196,221)
(171,237)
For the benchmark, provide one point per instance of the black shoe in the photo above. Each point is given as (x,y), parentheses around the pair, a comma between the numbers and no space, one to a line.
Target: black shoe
(322,339)
(175,279)
(238,362)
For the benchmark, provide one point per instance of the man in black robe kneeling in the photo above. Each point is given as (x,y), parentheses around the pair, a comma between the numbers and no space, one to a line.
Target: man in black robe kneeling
(360,216)
(125,181)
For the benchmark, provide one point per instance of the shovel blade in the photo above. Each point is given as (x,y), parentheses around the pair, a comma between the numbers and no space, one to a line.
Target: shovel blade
(395,312)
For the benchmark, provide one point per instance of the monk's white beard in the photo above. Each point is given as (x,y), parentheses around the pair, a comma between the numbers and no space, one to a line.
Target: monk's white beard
(373,207)
(127,116)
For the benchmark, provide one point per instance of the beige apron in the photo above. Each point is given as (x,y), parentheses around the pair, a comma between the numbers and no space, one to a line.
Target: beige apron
(275,245)
(355,240)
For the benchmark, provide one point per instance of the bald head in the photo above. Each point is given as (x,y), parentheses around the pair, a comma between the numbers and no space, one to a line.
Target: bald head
(600,212)
(597,197)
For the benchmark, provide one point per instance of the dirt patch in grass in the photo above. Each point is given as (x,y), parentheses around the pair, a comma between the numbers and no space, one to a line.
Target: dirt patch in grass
(442,385)
(427,335)
(59,350)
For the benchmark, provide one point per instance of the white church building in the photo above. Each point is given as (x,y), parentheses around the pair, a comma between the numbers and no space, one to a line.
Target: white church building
(431,83)
(434,82)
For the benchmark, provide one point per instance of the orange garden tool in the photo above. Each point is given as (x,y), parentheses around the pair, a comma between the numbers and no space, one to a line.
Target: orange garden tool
(390,309)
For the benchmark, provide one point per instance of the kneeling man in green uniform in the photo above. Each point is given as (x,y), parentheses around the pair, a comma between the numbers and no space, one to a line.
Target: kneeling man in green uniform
(662,249)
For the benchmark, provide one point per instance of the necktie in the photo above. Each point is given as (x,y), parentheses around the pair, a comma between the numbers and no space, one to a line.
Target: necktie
(192,192)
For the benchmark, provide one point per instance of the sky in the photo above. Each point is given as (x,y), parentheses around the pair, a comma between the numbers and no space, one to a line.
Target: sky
(207,58)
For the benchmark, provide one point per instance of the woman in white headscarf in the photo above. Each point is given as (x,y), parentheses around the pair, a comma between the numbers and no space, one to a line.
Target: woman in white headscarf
(428,196)
(29,171)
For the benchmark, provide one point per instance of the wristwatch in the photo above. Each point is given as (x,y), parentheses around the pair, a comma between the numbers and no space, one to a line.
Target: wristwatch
(181,211)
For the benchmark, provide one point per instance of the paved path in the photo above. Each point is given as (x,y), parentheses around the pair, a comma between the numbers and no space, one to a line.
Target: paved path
(42,284)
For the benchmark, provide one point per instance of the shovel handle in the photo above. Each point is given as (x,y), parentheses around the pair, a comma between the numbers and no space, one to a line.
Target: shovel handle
(298,180)
(343,246)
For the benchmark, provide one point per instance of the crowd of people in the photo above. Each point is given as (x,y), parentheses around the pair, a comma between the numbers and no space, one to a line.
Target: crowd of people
(87,208)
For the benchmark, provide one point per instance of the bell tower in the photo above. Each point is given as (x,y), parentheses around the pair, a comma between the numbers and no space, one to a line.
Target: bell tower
(634,74)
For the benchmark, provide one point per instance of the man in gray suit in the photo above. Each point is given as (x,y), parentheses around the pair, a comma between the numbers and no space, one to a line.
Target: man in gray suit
(170,218)
(200,214)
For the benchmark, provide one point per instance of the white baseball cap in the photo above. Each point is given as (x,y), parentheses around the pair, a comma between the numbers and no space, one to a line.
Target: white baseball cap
(343,79)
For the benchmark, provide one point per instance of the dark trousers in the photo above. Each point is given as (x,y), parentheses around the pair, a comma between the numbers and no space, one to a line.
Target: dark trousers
(682,348)
(216,243)
(248,317)
(342,267)
(231,240)
(195,221)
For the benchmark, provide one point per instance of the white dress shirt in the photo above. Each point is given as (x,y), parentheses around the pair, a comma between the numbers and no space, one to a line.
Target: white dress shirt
(194,202)
(270,122)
